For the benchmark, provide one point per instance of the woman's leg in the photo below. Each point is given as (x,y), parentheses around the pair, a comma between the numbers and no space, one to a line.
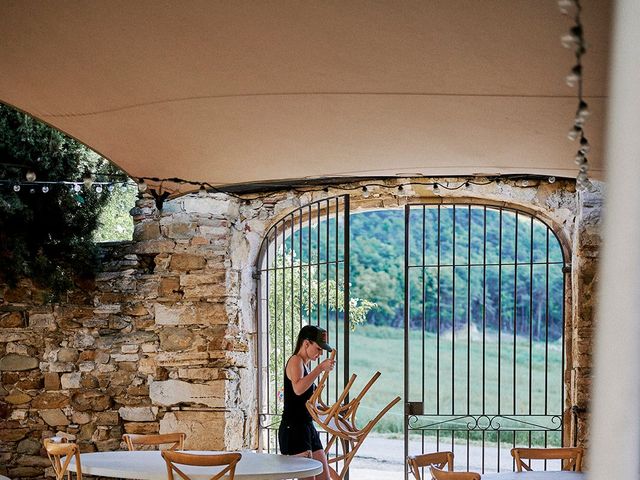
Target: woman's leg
(322,458)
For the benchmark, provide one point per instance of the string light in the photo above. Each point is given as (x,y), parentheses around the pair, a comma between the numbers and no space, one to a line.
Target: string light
(161,195)
(30,176)
(575,40)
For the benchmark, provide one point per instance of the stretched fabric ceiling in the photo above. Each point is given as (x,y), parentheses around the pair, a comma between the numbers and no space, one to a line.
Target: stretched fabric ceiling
(237,92)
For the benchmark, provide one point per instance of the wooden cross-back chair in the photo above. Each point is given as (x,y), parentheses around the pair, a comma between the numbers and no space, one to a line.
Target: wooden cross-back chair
(226,460)
(436,459)
(57,448)
(175,441)
(438,474)
(571,457)
(339,420)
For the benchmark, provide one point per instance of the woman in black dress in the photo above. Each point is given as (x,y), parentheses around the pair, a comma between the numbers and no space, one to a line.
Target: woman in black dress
(297,435)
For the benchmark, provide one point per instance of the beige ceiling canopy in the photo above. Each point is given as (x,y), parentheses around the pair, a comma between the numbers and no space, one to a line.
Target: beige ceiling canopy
(231,92)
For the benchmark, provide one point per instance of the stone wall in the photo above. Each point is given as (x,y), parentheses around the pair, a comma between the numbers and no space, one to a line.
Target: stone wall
(164,339)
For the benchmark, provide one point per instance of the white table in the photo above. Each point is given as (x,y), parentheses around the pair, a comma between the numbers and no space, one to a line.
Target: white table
(535,476)
(151,466)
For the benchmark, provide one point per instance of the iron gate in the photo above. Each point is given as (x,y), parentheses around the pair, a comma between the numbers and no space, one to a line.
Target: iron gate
(303,278)
(484,336)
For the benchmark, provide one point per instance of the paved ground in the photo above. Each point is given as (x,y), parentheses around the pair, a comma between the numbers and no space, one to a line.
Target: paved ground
(382,458)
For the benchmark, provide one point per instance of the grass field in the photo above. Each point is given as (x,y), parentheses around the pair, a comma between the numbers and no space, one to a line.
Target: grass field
(538,389)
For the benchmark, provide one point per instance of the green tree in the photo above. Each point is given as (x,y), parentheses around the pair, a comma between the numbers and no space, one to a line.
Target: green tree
(46,230)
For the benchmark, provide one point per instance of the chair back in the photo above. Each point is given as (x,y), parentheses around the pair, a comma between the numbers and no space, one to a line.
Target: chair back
(438,474)
(227,460)
(571,457)
(437,459)
(175,441)
(57,448)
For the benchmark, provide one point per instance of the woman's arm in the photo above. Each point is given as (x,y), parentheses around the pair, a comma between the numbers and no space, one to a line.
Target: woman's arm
(295,373)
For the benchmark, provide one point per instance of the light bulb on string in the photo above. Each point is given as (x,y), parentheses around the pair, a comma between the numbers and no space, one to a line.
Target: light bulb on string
(98,188)
(552,179)
(574,77)
(202,192)
(584,146)
(142,186)
(402,191)
(575,132)
(16,188)
(110,187)
(30,176)
(565,6)
(580,159)
(583,110)
(32,191)
(87,179)
(45,189)
(365,192)
(436,188)
(525,183)
(76,187)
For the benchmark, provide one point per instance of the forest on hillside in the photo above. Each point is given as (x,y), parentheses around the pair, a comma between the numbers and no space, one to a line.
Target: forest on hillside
(469,266)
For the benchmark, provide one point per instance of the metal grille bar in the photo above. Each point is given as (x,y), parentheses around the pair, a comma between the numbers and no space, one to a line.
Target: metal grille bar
(303,278)
(484,333)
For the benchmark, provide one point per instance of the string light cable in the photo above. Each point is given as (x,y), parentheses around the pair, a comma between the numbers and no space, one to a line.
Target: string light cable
(575,41)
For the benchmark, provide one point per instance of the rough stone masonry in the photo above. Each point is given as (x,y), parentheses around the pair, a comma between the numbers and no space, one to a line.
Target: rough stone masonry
(164,338)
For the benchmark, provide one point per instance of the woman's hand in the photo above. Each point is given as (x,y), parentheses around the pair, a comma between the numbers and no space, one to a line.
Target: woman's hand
(327,365)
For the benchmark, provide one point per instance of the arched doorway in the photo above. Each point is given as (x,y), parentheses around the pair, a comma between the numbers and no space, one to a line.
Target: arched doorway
(483,305)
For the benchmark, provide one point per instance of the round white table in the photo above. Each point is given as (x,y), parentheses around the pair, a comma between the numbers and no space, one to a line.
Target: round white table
(151,466)
(535,476)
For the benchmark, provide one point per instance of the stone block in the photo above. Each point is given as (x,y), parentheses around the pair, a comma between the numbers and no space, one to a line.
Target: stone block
(177,359)
(51,381)
(17,397)
(125,357)
(135,310)
(190,314)
(216,292)
(12,320)
(20,472)
(200,374)
(28,446)
(180,230)
(67,355)
(70,380)
(145,428)
(54,417)
(176,339)
(49,400)
(17,363)
(90,401)
(81,418)
(12,434)
(173,392)
(205,430)
(107,418)
(138,414)
(129,348)
(147,230)
(186,262)
(41,320)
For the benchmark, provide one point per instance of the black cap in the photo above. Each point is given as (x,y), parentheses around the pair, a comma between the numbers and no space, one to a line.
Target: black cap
(316,334)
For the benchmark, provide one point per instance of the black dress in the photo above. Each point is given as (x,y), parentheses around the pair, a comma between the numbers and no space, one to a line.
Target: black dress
(297,433)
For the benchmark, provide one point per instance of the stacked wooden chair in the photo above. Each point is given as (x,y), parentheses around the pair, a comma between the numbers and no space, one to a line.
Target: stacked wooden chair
(60,453)
(339,420)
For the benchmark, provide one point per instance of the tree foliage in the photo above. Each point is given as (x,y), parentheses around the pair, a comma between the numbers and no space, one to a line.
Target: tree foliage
(46,236)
